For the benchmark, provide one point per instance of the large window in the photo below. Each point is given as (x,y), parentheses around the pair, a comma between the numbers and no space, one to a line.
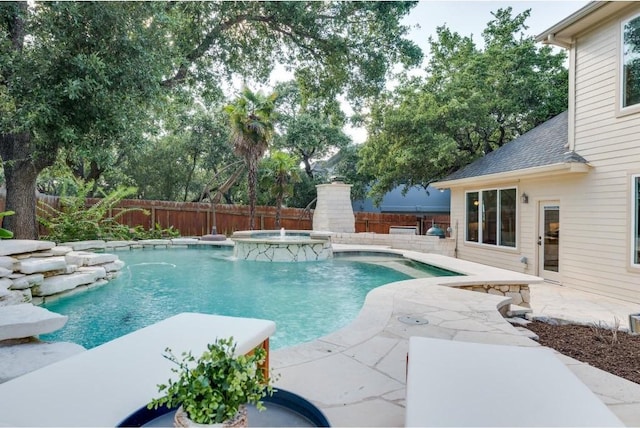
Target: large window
(491,217)
(631,62)
(636,220)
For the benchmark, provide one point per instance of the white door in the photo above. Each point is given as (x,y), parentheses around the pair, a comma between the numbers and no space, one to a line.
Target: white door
(549,241)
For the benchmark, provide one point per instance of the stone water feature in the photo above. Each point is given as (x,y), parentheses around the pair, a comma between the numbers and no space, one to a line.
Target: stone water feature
(282,246)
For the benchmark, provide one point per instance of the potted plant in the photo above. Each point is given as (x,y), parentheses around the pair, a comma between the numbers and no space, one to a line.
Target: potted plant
(215,388)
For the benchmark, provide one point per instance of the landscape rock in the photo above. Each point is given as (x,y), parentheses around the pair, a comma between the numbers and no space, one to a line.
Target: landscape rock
(21,357)
(114,266)
(83,258)
(5,272)
(15,297)
(61,250)
(26,320)
(60,283)
(42,265)
(20,246)
(86,245)
(7,262)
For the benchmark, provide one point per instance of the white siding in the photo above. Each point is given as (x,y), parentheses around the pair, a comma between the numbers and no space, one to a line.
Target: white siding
(595,208)
(596,251)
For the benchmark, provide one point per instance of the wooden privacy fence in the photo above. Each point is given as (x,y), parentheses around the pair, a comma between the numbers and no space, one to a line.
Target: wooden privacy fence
(196,218)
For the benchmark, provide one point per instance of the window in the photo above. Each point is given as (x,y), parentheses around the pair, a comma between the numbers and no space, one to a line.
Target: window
(491,217)
(635,238)
(631,62)
(472,216)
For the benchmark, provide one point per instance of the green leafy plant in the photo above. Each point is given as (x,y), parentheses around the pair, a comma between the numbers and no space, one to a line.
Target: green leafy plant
(76,221)
(157,232)
(212,387)
(4,233)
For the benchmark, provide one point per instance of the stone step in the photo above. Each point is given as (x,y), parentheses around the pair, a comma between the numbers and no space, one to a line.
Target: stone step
(518,311)
(26,320)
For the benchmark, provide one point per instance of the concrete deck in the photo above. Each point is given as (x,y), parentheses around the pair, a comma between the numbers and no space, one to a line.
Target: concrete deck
(357,374)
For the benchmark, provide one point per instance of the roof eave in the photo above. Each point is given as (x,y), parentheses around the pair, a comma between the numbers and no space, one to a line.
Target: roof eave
(563,168)
(563,33)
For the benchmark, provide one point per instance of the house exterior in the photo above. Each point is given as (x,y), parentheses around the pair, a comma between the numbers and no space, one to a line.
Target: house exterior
(579,172)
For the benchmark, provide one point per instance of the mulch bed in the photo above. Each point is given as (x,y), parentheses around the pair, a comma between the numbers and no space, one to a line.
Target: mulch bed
(615,352)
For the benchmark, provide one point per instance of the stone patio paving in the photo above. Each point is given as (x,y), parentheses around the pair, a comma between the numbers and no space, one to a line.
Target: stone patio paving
(357,375)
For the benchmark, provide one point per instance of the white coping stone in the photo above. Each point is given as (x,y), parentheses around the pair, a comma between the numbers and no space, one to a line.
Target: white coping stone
(154,242)
(118,244)
(19,359)
(7,262)
(61,250)
(184,241)
(26,320)
(451,383)
(27,281)
(83,258)
(60,283)
(42,265)
(19,246)
(86,245)
(106,384)
(5,272)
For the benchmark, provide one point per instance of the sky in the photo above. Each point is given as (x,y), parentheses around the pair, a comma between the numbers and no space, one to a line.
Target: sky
(471,17)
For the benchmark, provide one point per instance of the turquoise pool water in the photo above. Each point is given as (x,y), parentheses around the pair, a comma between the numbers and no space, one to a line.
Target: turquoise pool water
(306,300)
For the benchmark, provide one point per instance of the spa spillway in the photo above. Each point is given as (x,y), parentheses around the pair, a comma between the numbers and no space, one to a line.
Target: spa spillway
(281,246)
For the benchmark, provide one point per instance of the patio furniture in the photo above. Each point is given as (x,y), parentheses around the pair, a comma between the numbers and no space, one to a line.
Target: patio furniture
(102,386)
(452,383)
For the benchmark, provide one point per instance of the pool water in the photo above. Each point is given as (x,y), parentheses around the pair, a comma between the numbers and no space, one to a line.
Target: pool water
(307,300)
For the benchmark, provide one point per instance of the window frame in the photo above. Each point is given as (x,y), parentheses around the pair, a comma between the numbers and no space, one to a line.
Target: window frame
(498,220)
(621,109)
(635,221)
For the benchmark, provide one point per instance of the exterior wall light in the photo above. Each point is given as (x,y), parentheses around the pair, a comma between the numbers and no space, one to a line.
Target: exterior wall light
(524,198)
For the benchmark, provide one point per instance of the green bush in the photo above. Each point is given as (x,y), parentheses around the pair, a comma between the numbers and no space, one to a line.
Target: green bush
(4,233)
(157,232)
(75,221)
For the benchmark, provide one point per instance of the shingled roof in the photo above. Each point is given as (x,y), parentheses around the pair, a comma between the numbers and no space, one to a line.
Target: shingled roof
(544,145)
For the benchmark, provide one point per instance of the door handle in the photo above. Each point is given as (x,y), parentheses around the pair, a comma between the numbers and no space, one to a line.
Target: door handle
(539,240)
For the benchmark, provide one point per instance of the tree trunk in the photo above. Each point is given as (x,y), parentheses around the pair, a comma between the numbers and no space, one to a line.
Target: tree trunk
(253,184)
(20,174)
(279,202)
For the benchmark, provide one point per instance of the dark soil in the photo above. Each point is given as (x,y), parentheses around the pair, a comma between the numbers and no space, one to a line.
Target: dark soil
(615,352)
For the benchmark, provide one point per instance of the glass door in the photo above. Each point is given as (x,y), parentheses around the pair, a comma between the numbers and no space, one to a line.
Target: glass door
(549,241)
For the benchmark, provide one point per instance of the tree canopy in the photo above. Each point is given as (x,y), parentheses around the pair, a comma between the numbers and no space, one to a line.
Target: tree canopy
(91,78)
(310,128)
(471,101)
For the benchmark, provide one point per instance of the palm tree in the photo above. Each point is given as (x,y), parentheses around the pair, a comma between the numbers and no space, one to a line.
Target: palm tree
(252,117)
(280,172)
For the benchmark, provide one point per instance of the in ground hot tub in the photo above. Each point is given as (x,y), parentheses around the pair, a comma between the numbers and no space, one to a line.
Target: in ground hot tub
(282,246)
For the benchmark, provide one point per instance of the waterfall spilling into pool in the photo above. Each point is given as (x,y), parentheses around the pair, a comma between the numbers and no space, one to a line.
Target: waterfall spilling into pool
(282,245)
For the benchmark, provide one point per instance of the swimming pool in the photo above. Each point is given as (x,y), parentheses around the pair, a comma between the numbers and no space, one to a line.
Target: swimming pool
(306,300)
